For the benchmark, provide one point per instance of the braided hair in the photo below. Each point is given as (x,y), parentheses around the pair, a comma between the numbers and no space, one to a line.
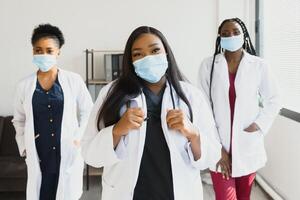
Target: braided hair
(248,46)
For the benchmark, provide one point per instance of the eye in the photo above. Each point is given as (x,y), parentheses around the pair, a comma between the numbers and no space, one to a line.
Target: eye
(156,50)
(225,34)
(38,51)
(134,55)
(237,33)
(49,51)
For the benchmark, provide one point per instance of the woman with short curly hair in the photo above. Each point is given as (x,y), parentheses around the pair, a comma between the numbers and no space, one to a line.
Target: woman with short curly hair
(48,130)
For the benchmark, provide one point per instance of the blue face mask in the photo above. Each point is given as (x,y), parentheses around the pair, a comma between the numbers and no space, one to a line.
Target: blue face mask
(44,62)
(151,68)
(232,43)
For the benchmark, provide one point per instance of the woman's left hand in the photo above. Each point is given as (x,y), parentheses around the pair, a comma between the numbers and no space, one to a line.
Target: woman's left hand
(177,120)
(252,128)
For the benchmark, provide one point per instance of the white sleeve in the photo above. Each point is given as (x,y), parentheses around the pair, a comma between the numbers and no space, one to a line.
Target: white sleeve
(97,146)
(84,106)
(19,119)
(203,78)
(209,143)
(269,93)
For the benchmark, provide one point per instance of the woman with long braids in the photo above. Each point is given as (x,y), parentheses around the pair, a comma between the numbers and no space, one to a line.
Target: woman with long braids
(150,129)
(234,80)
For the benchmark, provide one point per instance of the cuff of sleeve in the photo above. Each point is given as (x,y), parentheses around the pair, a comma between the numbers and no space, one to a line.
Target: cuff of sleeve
(261,123)
(102,141)
(210,153)
(78,135)
(121,149)
(201,162)
(21,147)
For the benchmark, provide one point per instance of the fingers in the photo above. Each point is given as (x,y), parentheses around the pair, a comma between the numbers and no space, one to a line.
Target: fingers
(217,166)
(136,111)
(226,171)
(136,119)
(225,167)
(252,128)
(173,114)
(175,122)
(135,125)
(249,129)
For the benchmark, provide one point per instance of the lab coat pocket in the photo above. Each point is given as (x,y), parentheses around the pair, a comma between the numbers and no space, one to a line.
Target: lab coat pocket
(74,153)
(107,190)
(251,142)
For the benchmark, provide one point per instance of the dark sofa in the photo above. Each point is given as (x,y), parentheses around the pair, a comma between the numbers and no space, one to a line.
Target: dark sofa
(13,173)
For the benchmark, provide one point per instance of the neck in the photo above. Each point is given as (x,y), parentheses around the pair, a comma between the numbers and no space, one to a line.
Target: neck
(52,73)
(235,56)
(156,87)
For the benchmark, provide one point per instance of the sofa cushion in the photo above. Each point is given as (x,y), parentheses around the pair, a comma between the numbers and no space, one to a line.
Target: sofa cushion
(1,127)
(12,167)
(8,145)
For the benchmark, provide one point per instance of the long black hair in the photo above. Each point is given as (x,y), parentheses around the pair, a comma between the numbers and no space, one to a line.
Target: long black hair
(129,85)
(248,46)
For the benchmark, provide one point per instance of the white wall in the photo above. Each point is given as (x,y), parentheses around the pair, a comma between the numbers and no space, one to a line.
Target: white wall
(282,169)
(280,43)
(245,10)
(190,27)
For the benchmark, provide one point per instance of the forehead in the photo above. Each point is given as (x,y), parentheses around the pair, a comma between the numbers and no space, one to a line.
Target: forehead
(230,26)
(46,42)
(146,39)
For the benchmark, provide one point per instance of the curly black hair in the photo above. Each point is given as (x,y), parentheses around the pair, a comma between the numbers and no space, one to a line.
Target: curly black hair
(47,31)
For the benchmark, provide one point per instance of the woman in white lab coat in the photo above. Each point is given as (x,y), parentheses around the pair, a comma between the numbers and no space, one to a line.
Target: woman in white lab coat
(150,130)
(48,130)
(245,101)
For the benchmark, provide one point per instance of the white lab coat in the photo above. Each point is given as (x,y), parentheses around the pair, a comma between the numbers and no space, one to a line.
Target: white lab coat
(77,107)
(121,166)
(253,79)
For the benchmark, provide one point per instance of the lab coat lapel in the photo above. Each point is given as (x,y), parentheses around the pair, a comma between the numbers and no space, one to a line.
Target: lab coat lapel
(242,71)
(221,72)
(137,137)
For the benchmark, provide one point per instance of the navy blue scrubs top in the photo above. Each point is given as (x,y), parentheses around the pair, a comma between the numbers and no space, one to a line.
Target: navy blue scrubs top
(47,114)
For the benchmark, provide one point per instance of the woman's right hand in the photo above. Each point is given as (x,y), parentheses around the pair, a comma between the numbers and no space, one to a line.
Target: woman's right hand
(133,118)
(225,164)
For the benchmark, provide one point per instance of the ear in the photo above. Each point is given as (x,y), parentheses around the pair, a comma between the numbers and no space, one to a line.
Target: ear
(58,53)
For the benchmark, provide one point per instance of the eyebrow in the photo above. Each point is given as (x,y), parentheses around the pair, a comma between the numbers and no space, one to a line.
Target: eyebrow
(154,44)
(151,45)
(226,30)
(41,48)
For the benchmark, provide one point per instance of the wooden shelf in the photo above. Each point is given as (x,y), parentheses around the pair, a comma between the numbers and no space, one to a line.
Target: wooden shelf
(104,51)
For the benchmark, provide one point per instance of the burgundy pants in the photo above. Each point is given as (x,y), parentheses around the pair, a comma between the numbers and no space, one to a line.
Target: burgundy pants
(238,188)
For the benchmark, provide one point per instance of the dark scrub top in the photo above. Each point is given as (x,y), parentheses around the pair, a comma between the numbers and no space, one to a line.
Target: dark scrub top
(155,176)
(47,114)
(232,97)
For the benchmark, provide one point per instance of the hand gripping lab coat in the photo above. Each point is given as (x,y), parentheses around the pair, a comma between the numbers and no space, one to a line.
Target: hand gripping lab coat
(253,82)
(77,107)
(121,165)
